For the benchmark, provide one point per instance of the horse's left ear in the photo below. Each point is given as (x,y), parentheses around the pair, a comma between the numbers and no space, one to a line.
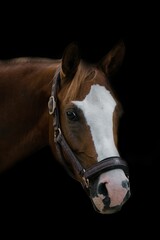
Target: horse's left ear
(70,60)
(112,61)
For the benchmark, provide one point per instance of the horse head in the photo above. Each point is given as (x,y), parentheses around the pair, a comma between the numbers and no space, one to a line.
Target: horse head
(85,120)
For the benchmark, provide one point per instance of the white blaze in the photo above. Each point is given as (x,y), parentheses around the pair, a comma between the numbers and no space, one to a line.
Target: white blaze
(98,108)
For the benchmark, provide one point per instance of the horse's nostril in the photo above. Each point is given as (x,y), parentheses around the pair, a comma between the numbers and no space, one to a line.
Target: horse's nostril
(102,189)
(125,184)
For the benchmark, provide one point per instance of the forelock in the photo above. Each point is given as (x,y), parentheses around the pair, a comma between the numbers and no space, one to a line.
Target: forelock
(85,75)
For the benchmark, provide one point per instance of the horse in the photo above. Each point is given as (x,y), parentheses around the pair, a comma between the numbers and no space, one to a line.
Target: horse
(69,105)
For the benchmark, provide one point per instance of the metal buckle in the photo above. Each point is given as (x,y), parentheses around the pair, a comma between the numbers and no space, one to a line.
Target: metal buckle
(85,180)
(57,133)
(51,105)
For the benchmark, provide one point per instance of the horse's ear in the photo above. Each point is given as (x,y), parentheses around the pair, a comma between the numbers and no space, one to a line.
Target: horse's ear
(113,60)
(70,60)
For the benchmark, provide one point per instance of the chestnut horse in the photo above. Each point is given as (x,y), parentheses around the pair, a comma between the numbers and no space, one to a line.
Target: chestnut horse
(69,105)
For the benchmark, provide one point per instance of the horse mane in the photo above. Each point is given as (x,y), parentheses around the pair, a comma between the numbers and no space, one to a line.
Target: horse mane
(22,60)
(85,73)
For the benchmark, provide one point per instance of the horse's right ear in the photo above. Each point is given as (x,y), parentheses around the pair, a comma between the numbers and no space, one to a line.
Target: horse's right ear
(70,61)
(113,60)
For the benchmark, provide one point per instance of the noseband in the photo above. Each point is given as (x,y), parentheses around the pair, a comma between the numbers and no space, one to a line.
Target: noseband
(65,153)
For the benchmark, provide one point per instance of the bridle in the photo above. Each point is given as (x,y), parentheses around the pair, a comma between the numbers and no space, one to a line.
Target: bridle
(65,153)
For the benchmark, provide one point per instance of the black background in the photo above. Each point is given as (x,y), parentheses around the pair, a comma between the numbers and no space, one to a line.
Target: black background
(37,196)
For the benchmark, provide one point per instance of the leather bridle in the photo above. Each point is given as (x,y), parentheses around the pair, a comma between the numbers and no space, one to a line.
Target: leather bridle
(65,153)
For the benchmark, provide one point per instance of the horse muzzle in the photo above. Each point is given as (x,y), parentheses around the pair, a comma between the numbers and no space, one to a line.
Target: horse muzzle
(109,191)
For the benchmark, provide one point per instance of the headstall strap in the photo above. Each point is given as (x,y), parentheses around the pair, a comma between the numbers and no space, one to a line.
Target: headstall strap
(63,149)
(66,154)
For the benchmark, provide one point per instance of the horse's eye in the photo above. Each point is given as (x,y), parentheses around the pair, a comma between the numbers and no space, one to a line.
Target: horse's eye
(72,116)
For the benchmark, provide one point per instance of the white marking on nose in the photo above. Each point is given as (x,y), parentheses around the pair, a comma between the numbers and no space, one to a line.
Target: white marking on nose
(113,180)
(98,108)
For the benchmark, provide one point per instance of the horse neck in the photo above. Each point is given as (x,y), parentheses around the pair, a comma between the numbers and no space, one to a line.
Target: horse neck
(24,126)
